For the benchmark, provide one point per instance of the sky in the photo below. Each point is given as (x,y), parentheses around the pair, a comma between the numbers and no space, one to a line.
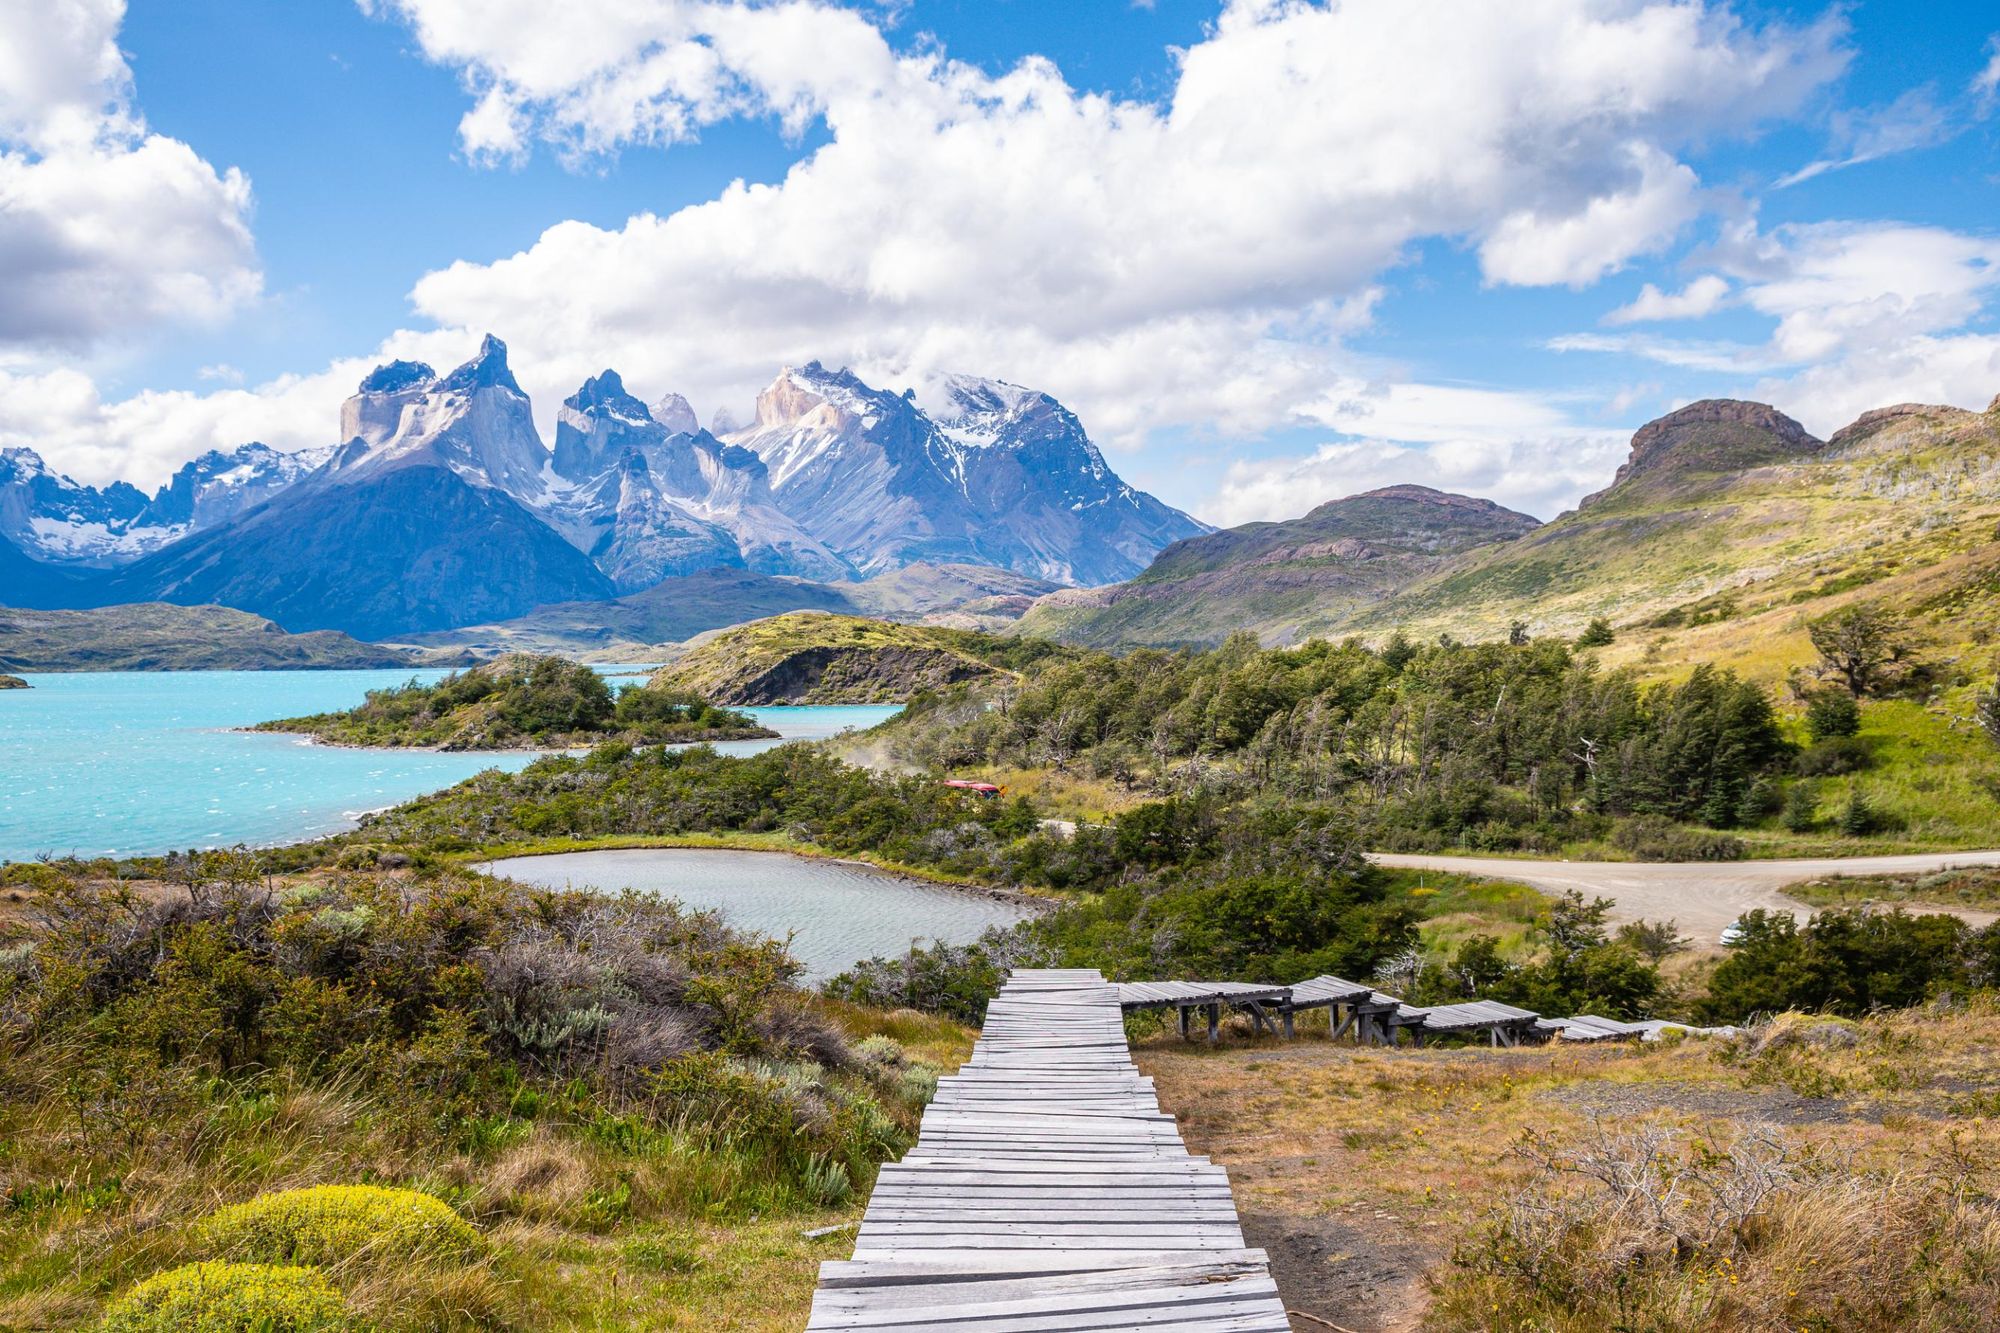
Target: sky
(1271,252)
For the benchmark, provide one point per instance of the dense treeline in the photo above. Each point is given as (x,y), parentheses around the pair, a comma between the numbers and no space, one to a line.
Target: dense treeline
(521,701)
(1494,745)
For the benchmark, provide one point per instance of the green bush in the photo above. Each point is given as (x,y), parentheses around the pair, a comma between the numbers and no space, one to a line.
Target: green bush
(329,1224)
(230,1298)
(1831,714)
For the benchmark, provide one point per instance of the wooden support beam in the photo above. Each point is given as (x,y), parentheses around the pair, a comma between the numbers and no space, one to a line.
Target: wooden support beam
(1184,1020)
(1214,1022)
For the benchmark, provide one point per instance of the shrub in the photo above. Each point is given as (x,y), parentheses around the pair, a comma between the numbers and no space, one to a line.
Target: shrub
(1597,634)
(230,1298)
(1833,757)
(1653,838)
(329,1224)
(1831,714)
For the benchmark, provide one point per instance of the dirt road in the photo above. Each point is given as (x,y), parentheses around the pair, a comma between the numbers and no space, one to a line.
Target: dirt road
(1703,898)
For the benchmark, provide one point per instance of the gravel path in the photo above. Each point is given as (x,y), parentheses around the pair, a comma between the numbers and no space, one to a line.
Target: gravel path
(1704,898)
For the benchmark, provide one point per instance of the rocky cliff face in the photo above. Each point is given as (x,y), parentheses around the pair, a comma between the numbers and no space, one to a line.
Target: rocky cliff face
(651,498)
(1003,476)
(1711,438)
(474,421)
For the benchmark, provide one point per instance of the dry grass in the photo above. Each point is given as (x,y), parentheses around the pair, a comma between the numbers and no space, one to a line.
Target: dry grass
(1380,1179)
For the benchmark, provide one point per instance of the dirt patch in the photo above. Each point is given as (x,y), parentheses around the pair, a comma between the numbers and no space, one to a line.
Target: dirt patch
(1341,1272)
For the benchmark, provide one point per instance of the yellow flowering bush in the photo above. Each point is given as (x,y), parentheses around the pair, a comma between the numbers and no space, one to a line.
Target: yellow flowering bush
(328,1224)
(230,1298)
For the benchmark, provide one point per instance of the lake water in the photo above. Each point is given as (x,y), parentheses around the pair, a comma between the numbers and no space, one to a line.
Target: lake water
(838,913)
(128,763)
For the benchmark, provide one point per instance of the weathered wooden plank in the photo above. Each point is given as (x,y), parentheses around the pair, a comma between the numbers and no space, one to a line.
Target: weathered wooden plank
(1048,1191)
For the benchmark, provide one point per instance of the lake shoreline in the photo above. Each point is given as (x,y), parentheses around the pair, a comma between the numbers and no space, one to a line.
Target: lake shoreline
(1040,904)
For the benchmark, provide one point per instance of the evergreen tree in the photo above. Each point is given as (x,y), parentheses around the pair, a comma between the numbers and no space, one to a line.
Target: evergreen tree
(1801,808)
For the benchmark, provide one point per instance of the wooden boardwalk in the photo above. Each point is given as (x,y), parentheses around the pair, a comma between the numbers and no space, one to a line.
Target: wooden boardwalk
(1048,1191)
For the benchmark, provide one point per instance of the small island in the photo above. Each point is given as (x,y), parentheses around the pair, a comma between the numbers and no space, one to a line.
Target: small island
(13,683)
(524,702)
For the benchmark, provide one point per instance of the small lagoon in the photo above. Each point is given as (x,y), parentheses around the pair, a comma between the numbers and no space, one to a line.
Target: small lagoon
(131,763)
(836,912)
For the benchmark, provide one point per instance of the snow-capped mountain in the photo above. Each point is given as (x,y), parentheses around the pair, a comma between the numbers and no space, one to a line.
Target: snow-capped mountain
(441,505)
(55,519)
(1003,476)
(650,496)
(474,421)
(218,486)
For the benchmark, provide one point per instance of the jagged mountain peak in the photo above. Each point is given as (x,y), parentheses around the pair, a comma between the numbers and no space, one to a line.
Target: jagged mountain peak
(957,397)
(675,413)
(486,370)
(799,392)
(398,377)
(605,392)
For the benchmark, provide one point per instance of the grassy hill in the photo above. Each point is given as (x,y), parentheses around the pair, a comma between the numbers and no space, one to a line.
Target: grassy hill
(1726,532)
(812,658)
(521,702)
(1284,581)
(154,636)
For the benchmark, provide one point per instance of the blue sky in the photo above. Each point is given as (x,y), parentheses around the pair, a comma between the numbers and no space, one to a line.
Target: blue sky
(1272,253)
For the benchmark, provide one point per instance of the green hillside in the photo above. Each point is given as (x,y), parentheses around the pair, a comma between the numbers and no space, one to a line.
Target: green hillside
(1284,581)
(1729,529)
(812,658)
(523,702)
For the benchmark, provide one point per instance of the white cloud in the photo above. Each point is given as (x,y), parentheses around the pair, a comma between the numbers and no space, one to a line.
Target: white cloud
(1186,263)
(1986,83)
(1518,449)
(1864,314)
(61,414)
(1912,121)
(1701,297)
(1578,248)
(104,227)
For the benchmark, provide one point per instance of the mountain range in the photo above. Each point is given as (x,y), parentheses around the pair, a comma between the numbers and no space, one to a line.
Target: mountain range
(441,506)
(1727,529)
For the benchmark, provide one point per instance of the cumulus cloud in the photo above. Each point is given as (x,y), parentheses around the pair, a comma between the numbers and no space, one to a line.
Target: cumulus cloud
(105,228)
(1701,297)
(1863,314)
(1195,261)
(1012,224)
(62,415)
(1521,450)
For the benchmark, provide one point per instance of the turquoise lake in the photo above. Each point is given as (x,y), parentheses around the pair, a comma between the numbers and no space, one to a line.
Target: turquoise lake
(127,763)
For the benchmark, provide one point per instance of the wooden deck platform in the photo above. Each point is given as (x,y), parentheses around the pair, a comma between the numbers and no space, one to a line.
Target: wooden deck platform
(1048,1193)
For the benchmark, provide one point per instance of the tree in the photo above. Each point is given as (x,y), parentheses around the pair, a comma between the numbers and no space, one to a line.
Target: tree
(1517,633)
(1597,634)
(1831,714)
(1861,644)
(1801,808)
(1857,820)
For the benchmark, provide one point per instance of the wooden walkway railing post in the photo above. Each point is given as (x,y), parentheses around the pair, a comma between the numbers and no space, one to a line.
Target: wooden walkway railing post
(1048,1193)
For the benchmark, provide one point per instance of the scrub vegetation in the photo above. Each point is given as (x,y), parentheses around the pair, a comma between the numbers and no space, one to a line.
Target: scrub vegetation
(524,702)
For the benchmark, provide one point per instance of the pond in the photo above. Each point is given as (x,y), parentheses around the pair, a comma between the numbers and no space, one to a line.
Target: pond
(836,912)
